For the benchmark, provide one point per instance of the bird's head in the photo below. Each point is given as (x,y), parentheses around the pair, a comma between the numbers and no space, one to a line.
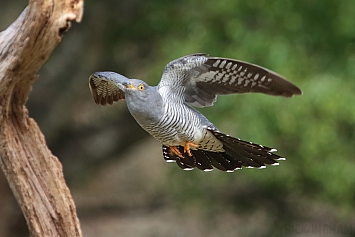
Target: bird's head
(135,87)
(139,95)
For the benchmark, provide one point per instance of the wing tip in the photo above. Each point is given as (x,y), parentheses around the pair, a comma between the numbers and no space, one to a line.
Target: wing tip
(98,85)
(293,92)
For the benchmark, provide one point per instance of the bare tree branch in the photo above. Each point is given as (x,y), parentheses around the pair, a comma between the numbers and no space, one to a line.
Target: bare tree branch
(33,173)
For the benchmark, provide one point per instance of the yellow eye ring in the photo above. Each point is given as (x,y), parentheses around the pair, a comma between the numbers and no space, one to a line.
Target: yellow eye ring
(141,87)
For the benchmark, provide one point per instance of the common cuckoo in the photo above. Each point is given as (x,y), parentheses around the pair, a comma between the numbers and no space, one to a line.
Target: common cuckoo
(188,137)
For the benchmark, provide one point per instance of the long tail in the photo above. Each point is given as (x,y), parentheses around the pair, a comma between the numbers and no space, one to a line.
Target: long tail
(237,154)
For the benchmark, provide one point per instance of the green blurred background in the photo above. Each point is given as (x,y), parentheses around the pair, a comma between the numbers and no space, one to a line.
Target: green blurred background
(119,180)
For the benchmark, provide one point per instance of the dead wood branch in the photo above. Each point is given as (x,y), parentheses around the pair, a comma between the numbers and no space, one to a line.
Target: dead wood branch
(33,173)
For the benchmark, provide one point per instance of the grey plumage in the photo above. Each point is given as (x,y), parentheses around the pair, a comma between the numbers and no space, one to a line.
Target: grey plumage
(188,137)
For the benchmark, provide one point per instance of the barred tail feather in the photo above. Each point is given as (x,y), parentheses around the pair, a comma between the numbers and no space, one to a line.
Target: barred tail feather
(248,153)
(237,154)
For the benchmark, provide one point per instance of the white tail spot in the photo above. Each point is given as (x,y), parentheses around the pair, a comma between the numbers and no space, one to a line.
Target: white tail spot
(281,158)
(170,161)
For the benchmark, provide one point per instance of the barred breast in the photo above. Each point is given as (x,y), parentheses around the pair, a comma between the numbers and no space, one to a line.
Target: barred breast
(177,125)
(180,123)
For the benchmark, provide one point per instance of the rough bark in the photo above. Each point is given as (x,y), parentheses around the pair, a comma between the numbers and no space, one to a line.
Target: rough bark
(35,176)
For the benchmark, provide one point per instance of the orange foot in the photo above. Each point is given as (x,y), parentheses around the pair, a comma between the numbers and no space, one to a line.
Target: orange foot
(187,147)
(176,151)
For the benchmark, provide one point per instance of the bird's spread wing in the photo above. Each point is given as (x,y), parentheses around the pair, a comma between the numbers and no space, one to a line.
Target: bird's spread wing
(202,78)
(104,89)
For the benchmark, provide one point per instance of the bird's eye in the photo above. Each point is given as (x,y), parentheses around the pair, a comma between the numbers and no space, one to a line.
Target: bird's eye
(141,87)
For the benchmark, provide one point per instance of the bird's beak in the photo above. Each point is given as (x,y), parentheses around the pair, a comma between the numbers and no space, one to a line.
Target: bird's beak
(129,86)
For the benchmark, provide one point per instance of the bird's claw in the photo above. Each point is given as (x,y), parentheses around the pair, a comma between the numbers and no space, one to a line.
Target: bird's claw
(187,150)
(187,147)
(175,150)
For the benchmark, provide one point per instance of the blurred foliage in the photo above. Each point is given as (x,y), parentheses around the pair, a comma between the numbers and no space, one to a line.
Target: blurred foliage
(312,43)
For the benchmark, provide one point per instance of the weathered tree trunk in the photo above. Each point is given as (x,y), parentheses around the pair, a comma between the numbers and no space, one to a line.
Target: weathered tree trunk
(33,173)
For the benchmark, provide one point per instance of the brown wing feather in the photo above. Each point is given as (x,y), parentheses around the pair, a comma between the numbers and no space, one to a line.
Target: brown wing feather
(227,76)
(105,91)
(221,76)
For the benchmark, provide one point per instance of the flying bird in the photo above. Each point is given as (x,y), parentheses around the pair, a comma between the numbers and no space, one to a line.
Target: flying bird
(187,136)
